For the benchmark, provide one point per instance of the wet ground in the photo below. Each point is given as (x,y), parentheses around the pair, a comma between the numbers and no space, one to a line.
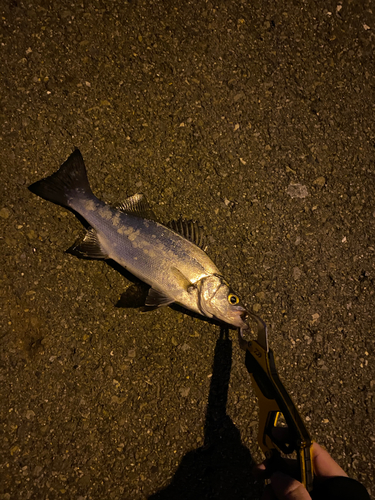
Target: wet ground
(255,118)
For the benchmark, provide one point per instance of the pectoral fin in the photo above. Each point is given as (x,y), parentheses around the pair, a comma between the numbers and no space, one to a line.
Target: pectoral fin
(182,280)
(157,299)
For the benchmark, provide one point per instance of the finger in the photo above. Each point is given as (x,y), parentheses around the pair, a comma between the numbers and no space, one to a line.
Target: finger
(287,488)
(324,465)
(259,471)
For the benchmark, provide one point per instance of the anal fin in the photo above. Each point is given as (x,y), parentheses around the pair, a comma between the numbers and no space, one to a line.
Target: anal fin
(89,247)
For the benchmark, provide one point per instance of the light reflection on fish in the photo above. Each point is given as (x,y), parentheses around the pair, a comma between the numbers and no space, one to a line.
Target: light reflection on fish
(169,259)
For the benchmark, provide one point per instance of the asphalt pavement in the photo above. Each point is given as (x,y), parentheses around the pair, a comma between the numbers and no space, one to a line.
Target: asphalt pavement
(257,120)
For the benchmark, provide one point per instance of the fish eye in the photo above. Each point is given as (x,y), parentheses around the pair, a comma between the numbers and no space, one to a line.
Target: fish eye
(233,299)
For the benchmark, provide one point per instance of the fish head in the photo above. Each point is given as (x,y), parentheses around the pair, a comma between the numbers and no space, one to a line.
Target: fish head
(217,300)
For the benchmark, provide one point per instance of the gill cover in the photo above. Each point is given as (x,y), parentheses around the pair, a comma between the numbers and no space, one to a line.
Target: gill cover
(216,299)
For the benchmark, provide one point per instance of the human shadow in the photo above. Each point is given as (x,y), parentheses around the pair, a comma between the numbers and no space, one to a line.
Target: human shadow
(221,468)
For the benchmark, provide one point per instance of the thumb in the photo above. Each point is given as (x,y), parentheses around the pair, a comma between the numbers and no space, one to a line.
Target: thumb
(287,488)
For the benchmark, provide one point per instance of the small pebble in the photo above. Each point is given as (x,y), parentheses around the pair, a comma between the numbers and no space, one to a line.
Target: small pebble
(320,181)
(296,273)
(297,191)
(4,213)
(184,391)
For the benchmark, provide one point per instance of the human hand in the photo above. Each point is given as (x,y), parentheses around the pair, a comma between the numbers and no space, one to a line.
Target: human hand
(284,487)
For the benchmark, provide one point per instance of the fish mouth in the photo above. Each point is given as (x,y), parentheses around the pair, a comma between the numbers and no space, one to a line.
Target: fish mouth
(241,314)
(244,316)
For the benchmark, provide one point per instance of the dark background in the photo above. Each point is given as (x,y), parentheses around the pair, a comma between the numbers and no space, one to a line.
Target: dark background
(216,111)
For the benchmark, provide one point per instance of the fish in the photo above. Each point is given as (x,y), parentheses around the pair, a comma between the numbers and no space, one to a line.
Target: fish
(169,258)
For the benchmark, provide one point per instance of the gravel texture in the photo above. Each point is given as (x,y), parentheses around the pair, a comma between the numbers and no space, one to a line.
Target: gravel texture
(255,118)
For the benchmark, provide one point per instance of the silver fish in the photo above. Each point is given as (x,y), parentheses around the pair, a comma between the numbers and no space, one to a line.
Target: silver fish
(170,260)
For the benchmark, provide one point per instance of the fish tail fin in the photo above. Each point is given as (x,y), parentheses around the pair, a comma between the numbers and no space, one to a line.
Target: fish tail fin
(60,186)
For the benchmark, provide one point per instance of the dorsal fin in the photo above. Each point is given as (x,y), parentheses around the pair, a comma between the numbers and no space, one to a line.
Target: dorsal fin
(137,205)
(190,230)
